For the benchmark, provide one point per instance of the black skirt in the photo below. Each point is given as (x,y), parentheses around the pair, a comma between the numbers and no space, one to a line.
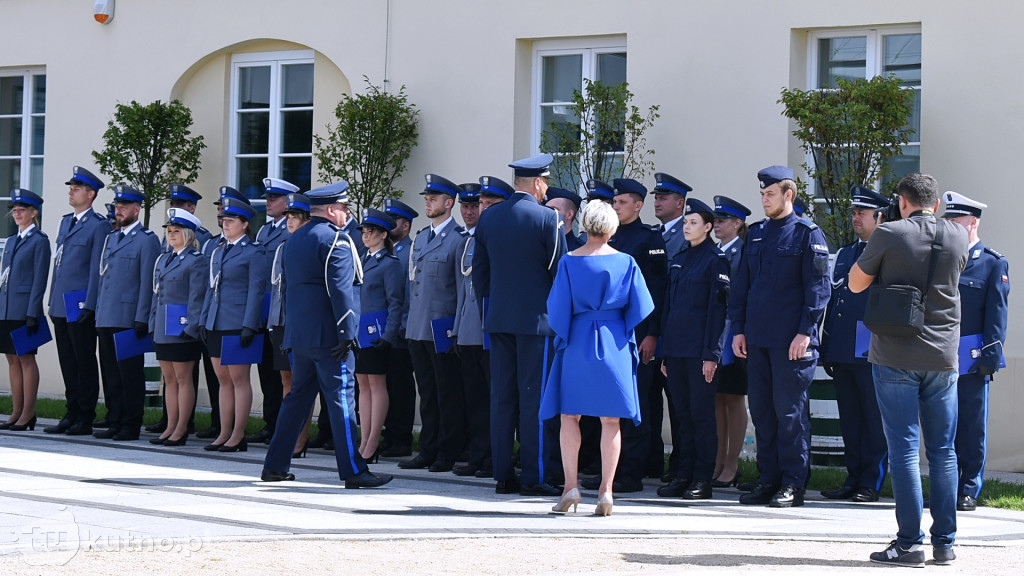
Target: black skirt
(6,344)
(372,360)
(281,361)
(213,340)
(732,379)
(179,351)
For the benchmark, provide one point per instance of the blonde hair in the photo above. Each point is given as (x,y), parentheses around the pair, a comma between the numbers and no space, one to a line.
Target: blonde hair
(599,219)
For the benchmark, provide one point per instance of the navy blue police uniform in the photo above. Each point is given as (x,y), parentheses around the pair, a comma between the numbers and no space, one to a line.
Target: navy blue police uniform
(321,275)
(76,264)
(984,297)
(671,231)
(780,291)
(24,266)
(860,421)
(572,241)
(123,303)
(732,374)
(518,246)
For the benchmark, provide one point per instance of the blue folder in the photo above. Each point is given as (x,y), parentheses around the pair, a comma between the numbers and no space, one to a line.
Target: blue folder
(371,327)
(231,351)
(862,343)
(23,343)
(970,351)
(265,309)
(73,304)
(128,345)
(728,356)
(442,329)
(175,319)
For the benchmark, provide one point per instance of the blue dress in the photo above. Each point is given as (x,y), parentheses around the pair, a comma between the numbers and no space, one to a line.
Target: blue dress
(595,304)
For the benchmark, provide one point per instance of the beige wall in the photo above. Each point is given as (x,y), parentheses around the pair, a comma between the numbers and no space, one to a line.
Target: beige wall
(716,69)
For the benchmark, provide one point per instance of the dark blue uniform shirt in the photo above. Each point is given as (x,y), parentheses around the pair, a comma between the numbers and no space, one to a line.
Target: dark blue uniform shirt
(845,309)
(645,244)
(698,292)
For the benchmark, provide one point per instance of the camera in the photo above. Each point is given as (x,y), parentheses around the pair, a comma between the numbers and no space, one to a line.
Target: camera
(890,213)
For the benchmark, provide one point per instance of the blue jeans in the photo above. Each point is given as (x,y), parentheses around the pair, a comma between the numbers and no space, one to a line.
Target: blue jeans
(904,397)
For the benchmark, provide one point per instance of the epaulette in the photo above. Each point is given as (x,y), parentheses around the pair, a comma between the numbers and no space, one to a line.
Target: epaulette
(758,223)
(463,233)
(722,255)
(147,231)
(424,229)
(204,230)
(70,214)
(653,228)
(197,253)
(993,252)
(807,223)
(40,232)
(98,217)
(333,226)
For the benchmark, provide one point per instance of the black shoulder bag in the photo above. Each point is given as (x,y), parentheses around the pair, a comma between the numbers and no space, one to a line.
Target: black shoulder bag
(898,310)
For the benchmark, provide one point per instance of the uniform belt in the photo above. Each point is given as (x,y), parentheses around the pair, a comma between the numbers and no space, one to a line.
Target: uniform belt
(599,315)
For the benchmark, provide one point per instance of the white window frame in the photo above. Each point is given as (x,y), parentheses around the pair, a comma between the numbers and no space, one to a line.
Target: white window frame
(27,116)
(275,60)
(588,48)
(874,64)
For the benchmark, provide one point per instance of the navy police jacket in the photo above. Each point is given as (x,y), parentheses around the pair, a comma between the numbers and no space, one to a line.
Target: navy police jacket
(645,244)
(695,304)
(782,285)
(675,241)
(126,278)
(23,272)
(432,292)
(518,246)
(237,282)
(178,279)
(76,262)
(384,289)
(984,293)
(319,277)
(845,309)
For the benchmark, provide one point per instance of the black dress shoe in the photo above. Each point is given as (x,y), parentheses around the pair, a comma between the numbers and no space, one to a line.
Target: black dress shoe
(59,428)
(211,447)
(674,489)
(242,446)
(542,489)
(179,442)
(844,492)
(261,437)
(698,490)
(865,495)
(668,477)
(484,472)
(761,494)
(101,424)
(787,497)
(126,434)
(442,464)
(418,463)
(270,476)
(208,433)
(157,441)
(627,484)
(367,479)
(467,470)
(746,486)
(507,487)
(107,434)
(396,451)
(79,429)
(727,483)
(966,503)
(592,483)
(157,428)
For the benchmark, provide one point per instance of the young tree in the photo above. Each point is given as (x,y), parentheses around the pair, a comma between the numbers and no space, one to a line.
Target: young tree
(375,135)
(605,138)
(851,133)
(150,147)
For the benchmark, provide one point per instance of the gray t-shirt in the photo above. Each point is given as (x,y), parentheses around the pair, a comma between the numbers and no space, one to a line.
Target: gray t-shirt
(899,253)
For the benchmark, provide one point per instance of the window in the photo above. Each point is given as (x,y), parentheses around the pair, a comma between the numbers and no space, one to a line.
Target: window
(22,132)
(271,119)
(561,67)
(866,53)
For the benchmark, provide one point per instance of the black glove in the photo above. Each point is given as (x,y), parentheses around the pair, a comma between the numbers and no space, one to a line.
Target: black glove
(829,370)
(340,351)
(245,338)
(381,344)
(986,366)
(86,316)
(141,329)
(31,325)
(453,351)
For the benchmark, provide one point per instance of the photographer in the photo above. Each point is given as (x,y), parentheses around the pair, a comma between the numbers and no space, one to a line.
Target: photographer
(915,376)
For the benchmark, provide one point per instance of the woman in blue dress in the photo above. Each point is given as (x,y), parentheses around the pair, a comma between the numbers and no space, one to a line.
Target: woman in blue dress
(179,286)
(691,344)
(598,298)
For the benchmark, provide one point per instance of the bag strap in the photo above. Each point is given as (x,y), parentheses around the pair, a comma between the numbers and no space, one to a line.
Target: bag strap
(936,246)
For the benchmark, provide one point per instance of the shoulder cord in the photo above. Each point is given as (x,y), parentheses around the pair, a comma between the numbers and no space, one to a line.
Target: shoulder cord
(554,253)
(462,261)
(156,266)
(103,255)
(275,268)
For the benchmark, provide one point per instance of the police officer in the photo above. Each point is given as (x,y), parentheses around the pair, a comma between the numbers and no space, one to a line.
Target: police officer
(567,204)
(123,303)
(645,244)
(859,419)
(475,361)
(984,291)
(76,265)
(321,272)
(396,440)
(432,296)
(598,190)
(518,245)
(24,265)
(775,307)
(269,237)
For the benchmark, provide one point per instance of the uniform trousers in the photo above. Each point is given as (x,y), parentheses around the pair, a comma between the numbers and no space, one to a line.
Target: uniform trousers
(867,455)
(314,370)
(76,353)
(656,404)
(693,403)
(636,438)
(476,384)
(401,399)
(442,409)
(124,383)
(519,366)
(780,410)
(270,384)
(971,431)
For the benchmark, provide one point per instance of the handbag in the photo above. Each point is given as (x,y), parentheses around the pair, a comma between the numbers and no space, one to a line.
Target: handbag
(898,309)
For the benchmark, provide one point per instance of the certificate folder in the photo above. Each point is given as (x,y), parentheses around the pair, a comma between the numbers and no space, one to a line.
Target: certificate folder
(970,351)
(73,304)
(442,328)
(231,351)
(175,319)
(128,345)
(371,327)
(23,343)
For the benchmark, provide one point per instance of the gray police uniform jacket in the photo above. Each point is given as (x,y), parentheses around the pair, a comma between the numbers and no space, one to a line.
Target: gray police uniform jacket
(276,317)
(23,272)
(432,272)
(403,249)
(210,245)
(126,278)
(76,262)
(237,282)
(674,239)
(384,289)
(469,328)
(178,279)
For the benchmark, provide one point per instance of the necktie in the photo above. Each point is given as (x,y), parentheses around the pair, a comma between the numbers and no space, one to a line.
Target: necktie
(71,226)
(663,230)
(431,235)
(120,236)
(859,250)
(227,248)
